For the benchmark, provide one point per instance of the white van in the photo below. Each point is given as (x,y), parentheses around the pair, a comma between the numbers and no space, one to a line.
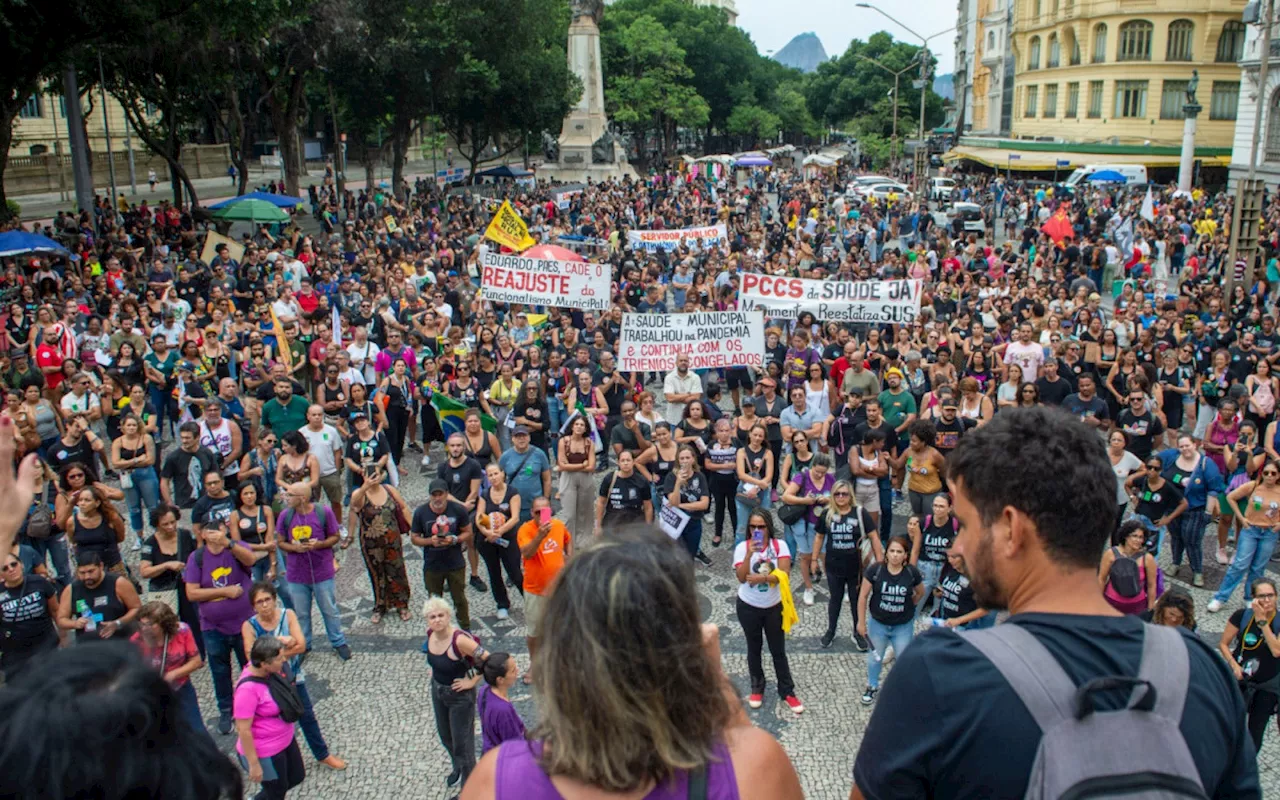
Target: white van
(1133,173)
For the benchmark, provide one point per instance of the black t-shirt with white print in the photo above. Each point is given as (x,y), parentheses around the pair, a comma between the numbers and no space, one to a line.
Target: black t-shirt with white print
(891,602)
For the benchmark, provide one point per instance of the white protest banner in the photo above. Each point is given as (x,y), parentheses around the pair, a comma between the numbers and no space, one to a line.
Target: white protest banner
(509,278)
(712,340)
(672,520)
(696,238)
(836,301)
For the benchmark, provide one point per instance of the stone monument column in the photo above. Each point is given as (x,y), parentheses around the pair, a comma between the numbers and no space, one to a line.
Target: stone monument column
(1191,109)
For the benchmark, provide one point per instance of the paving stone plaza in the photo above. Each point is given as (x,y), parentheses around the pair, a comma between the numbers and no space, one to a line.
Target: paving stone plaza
(375,710)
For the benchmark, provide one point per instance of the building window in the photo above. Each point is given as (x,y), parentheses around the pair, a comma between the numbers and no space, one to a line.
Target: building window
(1100,43)
(1075,51)
(1073,101)
(1033,98)
(1181,32)
(1224,100)
(1055,8)
(1036,9)
(1173,94)
(1231,42)
(1095,99)
(991,41)
(33,108)
(1135,41)
(1033,53)
(1272,151)
(1131,99)
(1055,51)
(1069,7)
(62,105)
(1050,100)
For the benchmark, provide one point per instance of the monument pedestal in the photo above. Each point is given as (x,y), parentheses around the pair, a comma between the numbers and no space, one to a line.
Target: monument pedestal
(1186,165)
(586,121)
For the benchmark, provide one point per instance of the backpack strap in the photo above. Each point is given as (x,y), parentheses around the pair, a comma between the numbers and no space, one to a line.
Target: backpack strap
(1035,675)
(1167,667)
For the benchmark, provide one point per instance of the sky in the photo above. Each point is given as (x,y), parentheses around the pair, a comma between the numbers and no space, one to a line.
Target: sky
(773,23)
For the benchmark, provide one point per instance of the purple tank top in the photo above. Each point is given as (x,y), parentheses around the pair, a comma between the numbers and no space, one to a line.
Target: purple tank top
(520,777)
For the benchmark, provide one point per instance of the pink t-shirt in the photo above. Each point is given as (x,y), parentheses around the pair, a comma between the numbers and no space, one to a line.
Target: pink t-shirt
(271,735)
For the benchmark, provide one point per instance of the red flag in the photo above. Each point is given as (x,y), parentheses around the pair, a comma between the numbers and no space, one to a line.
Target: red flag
(1058,227)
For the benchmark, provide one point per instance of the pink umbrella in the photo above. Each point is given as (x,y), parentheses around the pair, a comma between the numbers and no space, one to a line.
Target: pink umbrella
(551,252)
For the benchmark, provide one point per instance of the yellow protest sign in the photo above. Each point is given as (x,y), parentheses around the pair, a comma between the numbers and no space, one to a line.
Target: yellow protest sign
(508,229)
(392,227)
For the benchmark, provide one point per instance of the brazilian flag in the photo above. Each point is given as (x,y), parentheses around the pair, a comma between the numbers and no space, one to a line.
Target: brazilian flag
(451,413)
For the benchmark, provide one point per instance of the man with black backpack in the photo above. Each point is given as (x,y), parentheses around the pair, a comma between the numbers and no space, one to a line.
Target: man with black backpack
(1066,695)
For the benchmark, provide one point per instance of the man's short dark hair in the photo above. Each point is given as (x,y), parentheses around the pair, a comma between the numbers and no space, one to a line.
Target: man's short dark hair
(1049,466)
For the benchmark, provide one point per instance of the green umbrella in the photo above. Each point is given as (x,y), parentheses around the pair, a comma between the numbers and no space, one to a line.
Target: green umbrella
(252,211)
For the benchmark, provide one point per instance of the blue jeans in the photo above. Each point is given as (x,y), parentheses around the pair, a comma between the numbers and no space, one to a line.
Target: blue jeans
(311,728)
(886,509)
(986,621)
(1253,549)
(744,511)
(259,573)
(882,636)
(327,601)
(1159,531)
(1188,537)
(189,707)
(160,399)
(556,408)
(930,571)
(218,648)
(145,491)
(55,548)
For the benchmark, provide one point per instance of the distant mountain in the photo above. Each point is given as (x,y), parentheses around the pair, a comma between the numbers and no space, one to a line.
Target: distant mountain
(945,86)
(805,52)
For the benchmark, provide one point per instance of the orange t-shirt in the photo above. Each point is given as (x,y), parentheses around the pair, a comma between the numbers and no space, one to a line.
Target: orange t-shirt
(542,567)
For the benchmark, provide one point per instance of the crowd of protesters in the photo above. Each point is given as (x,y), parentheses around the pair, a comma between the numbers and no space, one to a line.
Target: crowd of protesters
(216,427)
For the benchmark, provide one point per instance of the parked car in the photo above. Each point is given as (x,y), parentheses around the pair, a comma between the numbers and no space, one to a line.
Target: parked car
(967,218)
(881,191)
(941,189)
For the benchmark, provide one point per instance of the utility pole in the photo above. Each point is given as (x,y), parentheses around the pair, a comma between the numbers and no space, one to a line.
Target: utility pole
(1264,63)
(78,143)
(106,130)
(57,152)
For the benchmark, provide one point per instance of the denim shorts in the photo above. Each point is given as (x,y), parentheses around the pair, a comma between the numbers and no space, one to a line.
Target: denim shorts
(802,531)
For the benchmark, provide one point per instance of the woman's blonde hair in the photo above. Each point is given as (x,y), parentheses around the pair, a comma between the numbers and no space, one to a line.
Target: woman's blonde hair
(627,691)
(435,604)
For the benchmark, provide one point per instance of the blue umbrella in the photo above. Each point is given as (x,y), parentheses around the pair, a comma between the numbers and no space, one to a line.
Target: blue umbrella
(1107,176)
(279,200)
(15,243)
(753,161)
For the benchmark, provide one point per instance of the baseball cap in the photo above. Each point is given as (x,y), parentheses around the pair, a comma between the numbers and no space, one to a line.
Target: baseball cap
(438,485)
(520,430)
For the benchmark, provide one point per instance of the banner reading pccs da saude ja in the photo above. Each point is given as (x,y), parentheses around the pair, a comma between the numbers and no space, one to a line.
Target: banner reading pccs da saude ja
(546,282)
(712,340)
(835,301)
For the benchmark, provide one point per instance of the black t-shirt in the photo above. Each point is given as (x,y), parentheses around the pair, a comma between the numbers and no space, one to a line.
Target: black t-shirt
(152,554)
(627,438)
(450,522)
(1052,393)
(25,621)
(949,433)
(460,477)
(891,595)
(890,435)
(843,533)
(1142,429)
(693,490)
(366,454)
(208,509)
(1250,649)
(81,453)
(957,595)
(766,409)
(187,471)
(961,732)
(1155,504)
(937,538)
(626,495)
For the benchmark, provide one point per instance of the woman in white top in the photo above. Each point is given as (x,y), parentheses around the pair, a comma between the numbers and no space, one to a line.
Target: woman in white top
(645,412)
(973,404)
(759,606)
(816,389)
(1007,393)
(1123,463)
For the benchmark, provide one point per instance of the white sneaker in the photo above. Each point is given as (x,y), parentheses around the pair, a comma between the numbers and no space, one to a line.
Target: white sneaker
(137,544)
(426,459)
(808,597)
(1222,556)
(1214,606)
(503,614)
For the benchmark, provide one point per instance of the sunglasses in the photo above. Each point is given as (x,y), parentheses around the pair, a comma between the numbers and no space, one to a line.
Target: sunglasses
(839,494)
(1271,472)
(9,566)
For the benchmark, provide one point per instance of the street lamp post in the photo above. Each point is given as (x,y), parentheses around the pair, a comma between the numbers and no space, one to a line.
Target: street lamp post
(921,163)
(897,74)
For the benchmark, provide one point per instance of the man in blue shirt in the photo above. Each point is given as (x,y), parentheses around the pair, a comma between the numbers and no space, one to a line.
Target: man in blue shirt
(528,471)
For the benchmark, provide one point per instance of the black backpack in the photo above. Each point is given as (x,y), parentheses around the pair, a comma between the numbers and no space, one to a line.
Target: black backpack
(1125,577)
(283,694)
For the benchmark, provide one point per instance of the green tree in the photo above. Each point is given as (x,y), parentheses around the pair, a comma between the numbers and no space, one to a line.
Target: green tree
(648,89)
(753,123)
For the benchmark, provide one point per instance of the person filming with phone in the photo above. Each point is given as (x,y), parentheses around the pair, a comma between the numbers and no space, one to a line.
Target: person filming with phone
(545,544)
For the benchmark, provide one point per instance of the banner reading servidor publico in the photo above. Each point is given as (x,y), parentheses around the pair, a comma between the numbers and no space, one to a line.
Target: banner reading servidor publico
(507,278)
(712,340)
(836,301)
(709,236)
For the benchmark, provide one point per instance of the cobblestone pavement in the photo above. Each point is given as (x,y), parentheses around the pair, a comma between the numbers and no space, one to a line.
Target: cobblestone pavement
(375,710)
